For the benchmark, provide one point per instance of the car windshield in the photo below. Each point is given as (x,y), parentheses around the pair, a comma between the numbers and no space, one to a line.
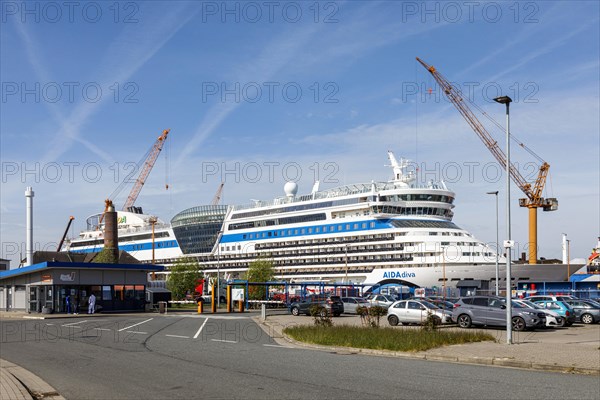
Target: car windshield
(593,303)
(359,300)
(530,304)
(389,298)
(428,304)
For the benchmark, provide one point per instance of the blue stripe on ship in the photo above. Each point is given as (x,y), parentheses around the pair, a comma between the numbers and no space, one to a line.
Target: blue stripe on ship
(311,230)
(165,244)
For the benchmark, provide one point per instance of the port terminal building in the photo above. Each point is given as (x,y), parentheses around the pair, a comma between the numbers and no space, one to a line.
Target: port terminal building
(63,282)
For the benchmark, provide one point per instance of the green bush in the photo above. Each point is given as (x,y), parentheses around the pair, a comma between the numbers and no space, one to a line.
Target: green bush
(371,316)
(431,322)
(320,315)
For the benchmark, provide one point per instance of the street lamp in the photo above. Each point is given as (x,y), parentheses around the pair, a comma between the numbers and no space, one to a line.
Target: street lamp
(508,243)
(218,268)
(497,240)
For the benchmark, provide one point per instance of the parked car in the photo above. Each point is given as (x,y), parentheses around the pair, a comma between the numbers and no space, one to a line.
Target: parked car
(333,305)
(416,312)
(560,307)
(586,311)
(491,311)
(443,304)
(352,303)
(552,317)
(539,297)
(382,300)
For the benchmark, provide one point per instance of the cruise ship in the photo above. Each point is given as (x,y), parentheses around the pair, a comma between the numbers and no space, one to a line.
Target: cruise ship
(374,233)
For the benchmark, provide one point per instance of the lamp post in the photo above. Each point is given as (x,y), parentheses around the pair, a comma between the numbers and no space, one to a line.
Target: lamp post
(218,268)
(508,243)
(568,259)
(497,240)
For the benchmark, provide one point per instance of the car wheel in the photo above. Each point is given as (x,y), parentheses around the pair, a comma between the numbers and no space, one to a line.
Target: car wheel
(437,320)
(518,324)
(393,320)
(587,318)
(336,314)
(295,311)
(563,322)
(464,321)
(323,313)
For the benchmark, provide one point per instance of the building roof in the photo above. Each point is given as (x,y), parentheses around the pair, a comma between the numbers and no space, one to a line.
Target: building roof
(77,265)
(63,256)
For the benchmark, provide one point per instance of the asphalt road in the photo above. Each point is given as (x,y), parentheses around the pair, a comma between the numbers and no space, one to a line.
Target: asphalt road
(158,357)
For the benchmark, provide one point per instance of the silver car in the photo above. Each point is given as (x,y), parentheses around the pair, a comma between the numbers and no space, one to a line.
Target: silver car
(552,317)
(416,312)
(352,303)
(491,311)
(382,300)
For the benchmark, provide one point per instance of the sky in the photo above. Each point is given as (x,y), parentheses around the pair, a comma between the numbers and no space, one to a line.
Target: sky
(256,94)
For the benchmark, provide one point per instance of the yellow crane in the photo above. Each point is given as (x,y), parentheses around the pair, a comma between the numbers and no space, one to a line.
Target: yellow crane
(534,199)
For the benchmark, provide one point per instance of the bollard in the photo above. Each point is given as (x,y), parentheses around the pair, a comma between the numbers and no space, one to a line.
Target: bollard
(263,312)
(229,300)
(241,306)
(200,306)
(213,303)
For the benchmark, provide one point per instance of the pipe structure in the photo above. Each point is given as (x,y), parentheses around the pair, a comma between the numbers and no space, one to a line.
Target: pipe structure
(29,238)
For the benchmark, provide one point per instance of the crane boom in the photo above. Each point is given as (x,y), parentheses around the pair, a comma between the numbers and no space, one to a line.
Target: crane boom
(217,197)
(534,198)
(62,240)
(146,168)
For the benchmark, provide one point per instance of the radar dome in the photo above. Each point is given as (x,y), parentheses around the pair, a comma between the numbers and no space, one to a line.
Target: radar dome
(290,189)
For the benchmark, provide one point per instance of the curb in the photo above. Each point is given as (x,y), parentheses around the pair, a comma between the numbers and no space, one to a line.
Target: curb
(37,388)
(490,361)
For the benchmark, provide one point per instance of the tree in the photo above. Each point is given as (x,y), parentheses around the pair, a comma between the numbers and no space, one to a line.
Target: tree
(184,277)
(259,270)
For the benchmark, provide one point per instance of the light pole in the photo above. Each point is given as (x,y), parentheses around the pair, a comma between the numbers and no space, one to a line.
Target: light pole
(508,243)
(218,268)
(568,259)
(497,240)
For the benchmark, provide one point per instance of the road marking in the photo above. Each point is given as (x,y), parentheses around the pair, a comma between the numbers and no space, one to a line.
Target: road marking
(200,330)
(103,329)
(139,323)
(277,345)
(141,333)
(74,323)
(225,341)
(49,324)
(178,336)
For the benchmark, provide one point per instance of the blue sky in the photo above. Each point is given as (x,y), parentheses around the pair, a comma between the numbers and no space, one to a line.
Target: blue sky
(257,94)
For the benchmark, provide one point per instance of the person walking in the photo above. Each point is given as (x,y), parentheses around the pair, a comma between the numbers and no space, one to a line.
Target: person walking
(68,304)
(92,303)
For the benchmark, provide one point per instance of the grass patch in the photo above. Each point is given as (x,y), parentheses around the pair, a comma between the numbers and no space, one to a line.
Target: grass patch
(393,339)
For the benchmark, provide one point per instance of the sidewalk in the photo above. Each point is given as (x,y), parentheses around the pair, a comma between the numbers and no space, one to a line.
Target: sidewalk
(17,383)
(571,350)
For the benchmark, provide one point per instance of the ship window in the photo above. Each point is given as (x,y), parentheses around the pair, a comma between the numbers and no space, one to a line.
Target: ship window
(310,230)
(372,224)
(317,229)
(340,228)
(347,227)
(270,234)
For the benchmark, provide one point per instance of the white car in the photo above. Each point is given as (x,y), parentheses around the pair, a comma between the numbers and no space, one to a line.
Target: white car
(382,300)
(552,317)
(416,312)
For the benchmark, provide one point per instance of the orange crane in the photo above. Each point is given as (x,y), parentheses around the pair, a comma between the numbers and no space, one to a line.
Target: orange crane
(147,167)
(148,162)
(64,236)
(217,197)
(534,199)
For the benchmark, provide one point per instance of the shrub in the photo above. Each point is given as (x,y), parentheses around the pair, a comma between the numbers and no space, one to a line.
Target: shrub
(321,316)
(370,316)
(431,322)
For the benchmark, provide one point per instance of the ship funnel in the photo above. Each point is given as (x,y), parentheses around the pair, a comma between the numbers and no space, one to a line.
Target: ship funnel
(564,249)
(29,235)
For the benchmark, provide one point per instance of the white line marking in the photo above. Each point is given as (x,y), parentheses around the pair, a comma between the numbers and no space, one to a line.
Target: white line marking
(75,323)
(221,340)
(141,333)
(49,324)
(200,330)
(178,336)
(139,323)
(103,329)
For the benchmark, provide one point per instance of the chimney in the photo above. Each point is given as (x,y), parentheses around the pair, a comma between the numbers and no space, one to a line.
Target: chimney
(111,232)
(29,235)
(564,249)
